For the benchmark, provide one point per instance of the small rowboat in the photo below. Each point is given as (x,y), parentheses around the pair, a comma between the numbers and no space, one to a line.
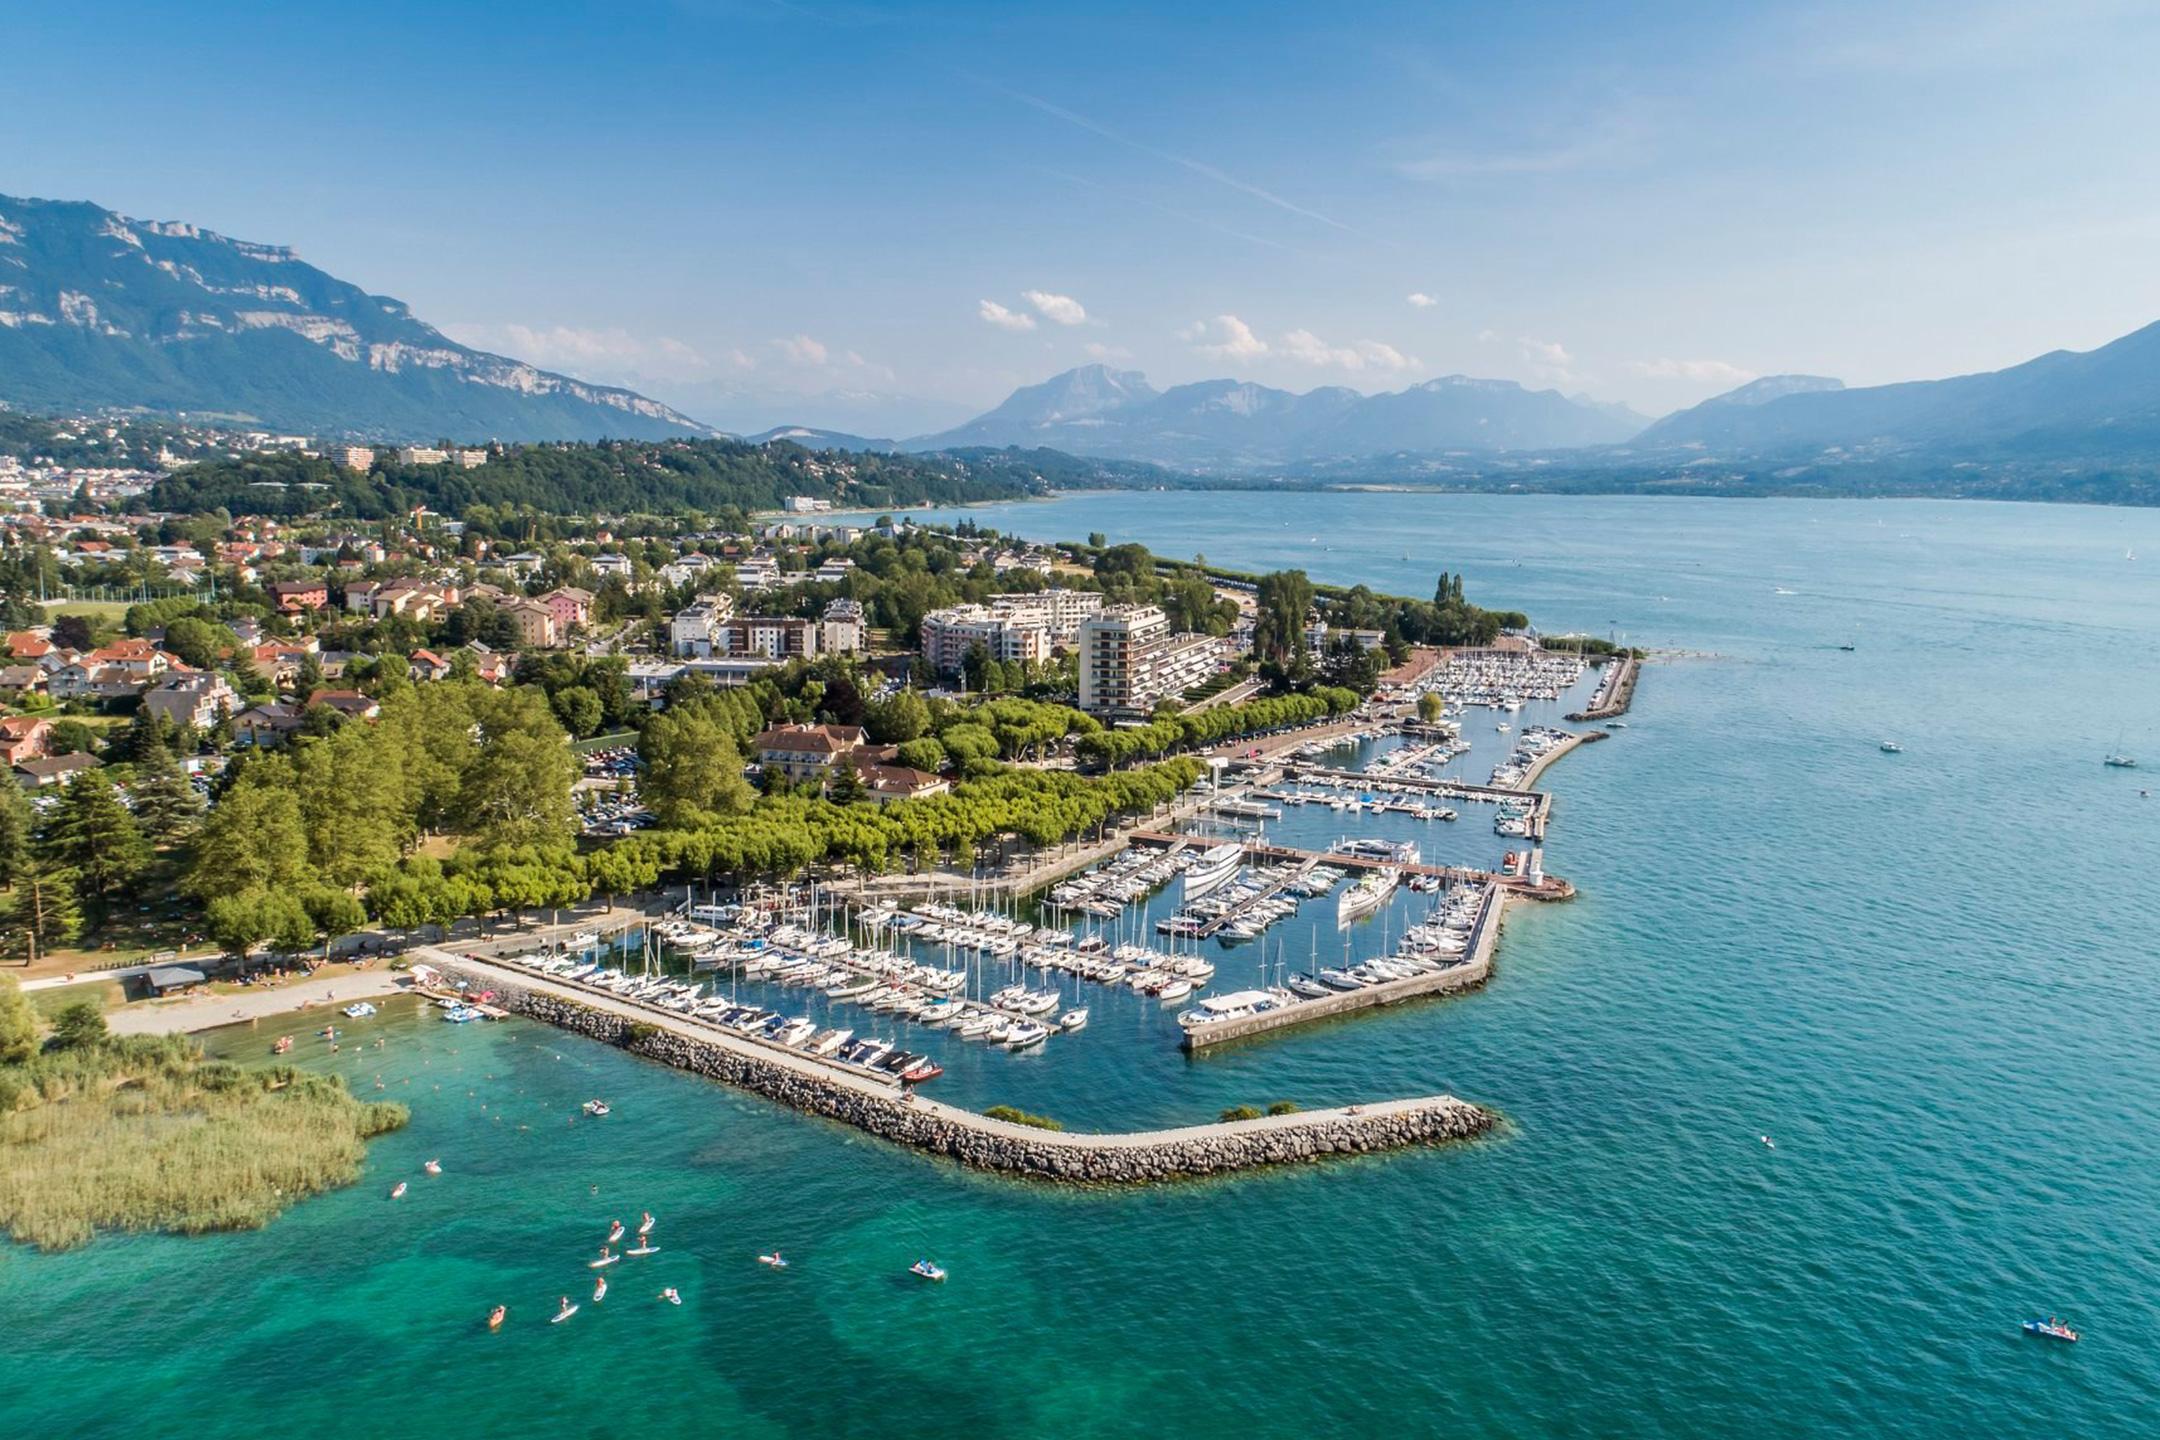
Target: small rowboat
(563,1314)
(596,1107)
(397,1192)
(495,1316)
(2053,1329)
(927,1270)
(773,1260)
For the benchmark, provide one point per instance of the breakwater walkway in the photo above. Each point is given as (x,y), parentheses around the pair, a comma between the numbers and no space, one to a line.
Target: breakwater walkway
(1475,969)
(906,1118)
(1614,694)
(1552,887)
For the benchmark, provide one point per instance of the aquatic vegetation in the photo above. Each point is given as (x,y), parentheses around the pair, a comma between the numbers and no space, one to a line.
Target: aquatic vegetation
(146,1134)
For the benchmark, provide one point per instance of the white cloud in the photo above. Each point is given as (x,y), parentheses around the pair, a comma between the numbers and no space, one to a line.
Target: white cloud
(1099,351)
(802,350)
(1224,338)
(1419,300)
(1703,372)
(1549,361)
(1061,308)
(1486,337)
(1309,349)
(1003,318)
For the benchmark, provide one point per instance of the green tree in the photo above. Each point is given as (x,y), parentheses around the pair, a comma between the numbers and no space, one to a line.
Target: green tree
(578,707)
(693,771)
(93,834)
(1284,598)
(309,679)
(17,821)
(923,754)
(897,719)
(78,1025)
(1430,707)
(847,784)
(253,840)
(199,642)
(42,910)
(18,1025)
(166,804)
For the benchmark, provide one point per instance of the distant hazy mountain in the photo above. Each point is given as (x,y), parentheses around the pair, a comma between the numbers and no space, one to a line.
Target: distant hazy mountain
(98,310)
(811,438)
(1228,423)
(2094,403)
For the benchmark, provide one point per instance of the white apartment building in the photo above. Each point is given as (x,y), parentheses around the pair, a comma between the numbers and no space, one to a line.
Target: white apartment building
(471,459)
(1057,610)
(833,571)
(948,635)
(421,455)
(695,630)
(1129,660)
(757,573)
(352,457)
(846,629)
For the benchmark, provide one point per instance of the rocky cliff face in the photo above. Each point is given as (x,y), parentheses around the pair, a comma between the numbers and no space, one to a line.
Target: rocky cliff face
(101,311)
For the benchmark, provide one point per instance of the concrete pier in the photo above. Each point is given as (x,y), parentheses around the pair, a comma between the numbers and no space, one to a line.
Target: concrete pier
(1475,969)
(905,1118)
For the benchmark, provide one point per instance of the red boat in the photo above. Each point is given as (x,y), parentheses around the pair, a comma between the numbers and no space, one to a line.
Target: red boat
(926,1070)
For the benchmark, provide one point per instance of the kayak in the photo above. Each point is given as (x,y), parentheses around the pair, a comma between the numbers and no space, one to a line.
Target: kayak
(565,1314)
(495,1316)
(398,1191)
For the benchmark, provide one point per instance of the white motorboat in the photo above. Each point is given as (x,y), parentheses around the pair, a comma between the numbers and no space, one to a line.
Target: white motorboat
(1217,864)
(1073,1020)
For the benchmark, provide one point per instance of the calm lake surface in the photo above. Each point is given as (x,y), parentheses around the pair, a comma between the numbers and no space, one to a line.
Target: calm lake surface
(1930,977)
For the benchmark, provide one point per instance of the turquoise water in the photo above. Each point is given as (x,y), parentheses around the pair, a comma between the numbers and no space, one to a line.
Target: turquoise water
(1928,976)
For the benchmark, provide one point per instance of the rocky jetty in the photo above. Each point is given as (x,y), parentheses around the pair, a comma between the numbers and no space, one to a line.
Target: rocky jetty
(971,1138)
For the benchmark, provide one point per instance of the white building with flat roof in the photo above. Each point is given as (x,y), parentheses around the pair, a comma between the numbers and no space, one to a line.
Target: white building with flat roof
(948,635)
(1130,660)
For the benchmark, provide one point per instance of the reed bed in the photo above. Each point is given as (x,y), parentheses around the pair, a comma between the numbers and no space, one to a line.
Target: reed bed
(145,1134)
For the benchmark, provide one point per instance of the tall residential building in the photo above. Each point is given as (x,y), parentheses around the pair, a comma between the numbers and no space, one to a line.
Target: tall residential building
(948,635)
(421,455)
(352,457)
(1129,660)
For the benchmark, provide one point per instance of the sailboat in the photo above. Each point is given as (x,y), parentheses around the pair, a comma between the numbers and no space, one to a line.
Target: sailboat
(2118,758)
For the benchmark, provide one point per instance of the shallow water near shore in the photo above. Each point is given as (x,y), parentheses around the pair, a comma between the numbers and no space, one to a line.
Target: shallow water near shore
(1929,977)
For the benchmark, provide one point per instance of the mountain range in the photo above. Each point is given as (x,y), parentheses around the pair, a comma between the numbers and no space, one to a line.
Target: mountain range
(1235,424)
(2067,404)
(99,311)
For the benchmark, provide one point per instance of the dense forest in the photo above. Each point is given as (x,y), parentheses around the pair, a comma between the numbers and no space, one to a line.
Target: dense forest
(617,477)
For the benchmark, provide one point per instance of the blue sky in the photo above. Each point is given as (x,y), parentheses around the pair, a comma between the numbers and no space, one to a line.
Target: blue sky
(885,216)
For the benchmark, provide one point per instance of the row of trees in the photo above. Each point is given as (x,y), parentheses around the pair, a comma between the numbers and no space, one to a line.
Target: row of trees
(1209,727)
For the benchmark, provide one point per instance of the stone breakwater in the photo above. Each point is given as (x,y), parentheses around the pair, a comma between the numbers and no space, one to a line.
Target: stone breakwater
(969,1137)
